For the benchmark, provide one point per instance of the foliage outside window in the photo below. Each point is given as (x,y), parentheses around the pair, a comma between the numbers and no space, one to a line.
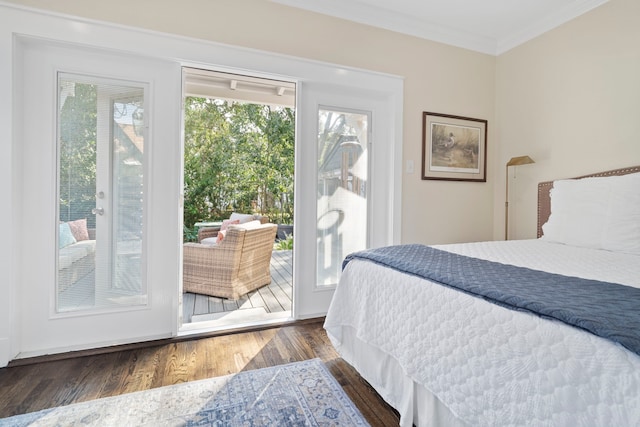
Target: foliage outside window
(78,153)
(237,157)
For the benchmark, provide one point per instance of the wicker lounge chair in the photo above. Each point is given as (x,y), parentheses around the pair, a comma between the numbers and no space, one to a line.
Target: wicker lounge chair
(238,264)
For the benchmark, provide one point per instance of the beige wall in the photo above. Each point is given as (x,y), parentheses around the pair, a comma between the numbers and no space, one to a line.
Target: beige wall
(571,100)
(438,78)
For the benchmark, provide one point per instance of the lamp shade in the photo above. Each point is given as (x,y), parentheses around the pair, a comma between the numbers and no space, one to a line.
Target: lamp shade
(520,160)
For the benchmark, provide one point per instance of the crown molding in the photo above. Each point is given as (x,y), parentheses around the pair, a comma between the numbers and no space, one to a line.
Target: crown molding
(355,11)
(361,13)
(548,23)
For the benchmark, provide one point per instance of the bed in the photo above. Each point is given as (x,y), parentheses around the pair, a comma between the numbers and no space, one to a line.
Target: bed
(443,356)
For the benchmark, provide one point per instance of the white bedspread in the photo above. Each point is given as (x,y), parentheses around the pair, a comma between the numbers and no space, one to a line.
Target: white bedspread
(491,366)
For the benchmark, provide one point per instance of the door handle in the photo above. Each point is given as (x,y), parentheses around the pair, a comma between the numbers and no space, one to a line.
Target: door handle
(97,211)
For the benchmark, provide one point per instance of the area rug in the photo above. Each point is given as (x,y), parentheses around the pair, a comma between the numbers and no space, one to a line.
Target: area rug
(295,394)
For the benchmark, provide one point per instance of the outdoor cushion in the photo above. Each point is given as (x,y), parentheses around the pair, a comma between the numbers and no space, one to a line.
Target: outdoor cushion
(65,237)
(242,217)
(227,222)
(210,241)
(79,229)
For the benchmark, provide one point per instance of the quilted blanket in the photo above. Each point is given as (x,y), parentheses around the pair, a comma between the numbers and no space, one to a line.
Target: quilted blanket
(490,365)
(608,310)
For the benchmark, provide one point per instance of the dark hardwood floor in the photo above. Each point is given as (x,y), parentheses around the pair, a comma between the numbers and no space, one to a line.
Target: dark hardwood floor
(35,386)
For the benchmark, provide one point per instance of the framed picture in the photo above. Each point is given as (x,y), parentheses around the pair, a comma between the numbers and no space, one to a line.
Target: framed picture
(454,148)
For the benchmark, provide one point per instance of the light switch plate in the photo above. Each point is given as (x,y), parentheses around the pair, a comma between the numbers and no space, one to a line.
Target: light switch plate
(409,166)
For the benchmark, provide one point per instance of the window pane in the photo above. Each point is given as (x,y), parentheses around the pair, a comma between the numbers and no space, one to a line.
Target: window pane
(127,188)
(342,190)
(100,187)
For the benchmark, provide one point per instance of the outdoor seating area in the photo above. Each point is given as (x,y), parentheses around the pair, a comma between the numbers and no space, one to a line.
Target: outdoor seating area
(76,252)
(231,264)
(271,300)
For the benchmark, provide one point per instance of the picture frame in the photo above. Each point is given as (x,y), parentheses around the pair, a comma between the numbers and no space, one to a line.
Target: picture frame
(454,148)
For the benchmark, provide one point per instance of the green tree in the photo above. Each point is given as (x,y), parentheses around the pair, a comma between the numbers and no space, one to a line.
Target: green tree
(77,180)
(238,157)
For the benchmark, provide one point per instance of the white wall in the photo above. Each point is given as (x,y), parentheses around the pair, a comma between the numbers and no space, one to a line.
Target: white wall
(571,100)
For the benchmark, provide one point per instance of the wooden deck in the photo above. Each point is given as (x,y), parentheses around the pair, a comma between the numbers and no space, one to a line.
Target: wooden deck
(269,302)
(273,300)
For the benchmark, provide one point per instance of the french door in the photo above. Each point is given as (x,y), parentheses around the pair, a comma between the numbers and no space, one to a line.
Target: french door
(101,188)
(99,200)
(345,177)
(124,187)
(342,207)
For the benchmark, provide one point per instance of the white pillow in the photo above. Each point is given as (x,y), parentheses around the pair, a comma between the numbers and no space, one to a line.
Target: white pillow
(622,230)
(242,217)
(578,212)
(247,225)
(598,212)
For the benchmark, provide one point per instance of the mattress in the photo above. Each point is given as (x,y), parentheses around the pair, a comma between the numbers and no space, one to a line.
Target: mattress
(480,363)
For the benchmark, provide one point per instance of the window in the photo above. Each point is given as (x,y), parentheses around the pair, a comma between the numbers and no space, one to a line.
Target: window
(342,189)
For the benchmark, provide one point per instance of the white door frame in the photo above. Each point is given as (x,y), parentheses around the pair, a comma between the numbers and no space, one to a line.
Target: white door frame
(17,21)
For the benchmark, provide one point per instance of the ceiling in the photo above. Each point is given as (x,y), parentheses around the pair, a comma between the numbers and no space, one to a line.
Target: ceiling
(487,26)
(234,87)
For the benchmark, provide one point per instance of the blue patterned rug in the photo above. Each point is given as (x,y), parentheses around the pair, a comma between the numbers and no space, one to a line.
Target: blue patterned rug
(296,394)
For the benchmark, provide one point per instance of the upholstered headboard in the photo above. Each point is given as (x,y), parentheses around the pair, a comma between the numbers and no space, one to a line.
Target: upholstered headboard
(544,193)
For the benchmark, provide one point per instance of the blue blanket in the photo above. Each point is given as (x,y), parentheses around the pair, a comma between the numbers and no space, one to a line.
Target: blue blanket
(608,310)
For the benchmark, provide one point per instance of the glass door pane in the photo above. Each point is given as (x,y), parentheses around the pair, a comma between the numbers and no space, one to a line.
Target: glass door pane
(101,193)
(342,189)
(127,183)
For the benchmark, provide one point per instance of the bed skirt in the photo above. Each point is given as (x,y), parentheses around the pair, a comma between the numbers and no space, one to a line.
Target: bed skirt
(416,405)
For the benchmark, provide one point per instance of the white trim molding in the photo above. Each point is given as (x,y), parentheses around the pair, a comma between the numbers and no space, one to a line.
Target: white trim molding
(402,21)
